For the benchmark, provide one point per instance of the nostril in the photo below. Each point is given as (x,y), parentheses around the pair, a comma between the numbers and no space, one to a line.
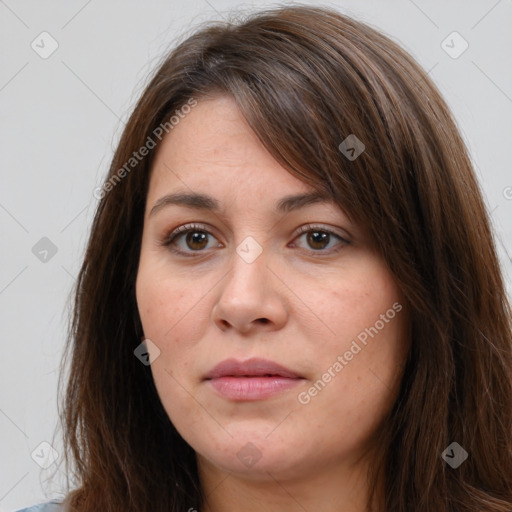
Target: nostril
(263,320)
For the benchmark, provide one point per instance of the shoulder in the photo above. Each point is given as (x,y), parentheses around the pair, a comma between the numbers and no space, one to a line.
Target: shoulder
(50,506)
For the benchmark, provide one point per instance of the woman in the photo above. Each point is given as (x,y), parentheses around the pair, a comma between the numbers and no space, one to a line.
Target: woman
(291,298)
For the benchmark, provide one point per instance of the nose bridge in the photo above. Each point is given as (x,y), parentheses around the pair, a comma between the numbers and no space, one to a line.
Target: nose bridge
(247,292)
(248,274)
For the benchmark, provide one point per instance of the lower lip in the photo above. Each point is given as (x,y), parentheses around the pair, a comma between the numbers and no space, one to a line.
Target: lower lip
(252,388)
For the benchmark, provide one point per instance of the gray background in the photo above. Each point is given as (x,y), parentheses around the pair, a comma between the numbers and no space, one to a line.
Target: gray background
(62,116)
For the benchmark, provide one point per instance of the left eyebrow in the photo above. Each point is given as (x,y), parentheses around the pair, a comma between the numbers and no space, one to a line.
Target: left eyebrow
(206,202)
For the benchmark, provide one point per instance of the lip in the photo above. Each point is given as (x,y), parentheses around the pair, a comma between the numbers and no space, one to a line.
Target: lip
(254,379)
(254,367)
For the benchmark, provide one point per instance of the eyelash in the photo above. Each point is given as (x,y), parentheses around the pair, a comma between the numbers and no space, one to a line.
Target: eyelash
(170,240)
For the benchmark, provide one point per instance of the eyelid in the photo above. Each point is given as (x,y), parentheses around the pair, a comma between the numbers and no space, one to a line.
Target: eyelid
(321,227)
(185,228)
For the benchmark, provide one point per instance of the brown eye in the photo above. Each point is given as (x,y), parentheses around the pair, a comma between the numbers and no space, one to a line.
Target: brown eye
(321,240)
(196,240)
(318,239)
(189,239)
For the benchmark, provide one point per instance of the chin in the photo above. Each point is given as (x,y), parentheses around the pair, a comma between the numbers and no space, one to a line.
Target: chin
(250,455)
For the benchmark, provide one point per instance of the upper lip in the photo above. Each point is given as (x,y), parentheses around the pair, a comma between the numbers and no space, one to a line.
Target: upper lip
(250,368)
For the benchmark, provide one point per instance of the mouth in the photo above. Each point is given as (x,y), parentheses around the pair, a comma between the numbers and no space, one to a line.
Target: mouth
(254,379)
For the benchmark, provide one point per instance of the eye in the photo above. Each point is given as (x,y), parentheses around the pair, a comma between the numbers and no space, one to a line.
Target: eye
(194,238)
(319,238)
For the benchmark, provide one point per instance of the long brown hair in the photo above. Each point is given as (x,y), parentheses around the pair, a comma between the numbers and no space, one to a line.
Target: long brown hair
(305,79)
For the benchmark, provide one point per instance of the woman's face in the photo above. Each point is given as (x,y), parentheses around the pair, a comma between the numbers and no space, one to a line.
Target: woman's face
(289,292)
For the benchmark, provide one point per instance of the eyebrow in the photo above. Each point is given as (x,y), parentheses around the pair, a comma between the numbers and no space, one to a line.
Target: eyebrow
(205,202)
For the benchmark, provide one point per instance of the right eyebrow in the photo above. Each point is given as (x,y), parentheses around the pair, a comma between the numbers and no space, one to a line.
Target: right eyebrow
(196,201)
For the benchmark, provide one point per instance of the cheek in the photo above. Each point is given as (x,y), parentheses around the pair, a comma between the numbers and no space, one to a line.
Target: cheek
(166,305)
(357,301)
(174,315)
(167,314)
(367,323)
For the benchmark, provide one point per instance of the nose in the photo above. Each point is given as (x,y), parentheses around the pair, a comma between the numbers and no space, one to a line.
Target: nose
(251,298)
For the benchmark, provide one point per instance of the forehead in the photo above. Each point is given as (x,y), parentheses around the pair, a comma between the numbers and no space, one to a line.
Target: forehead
(212,161)
(214,149)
